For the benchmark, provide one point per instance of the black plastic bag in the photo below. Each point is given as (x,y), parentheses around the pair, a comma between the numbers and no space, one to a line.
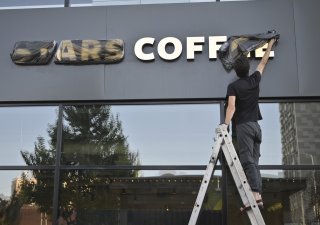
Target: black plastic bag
(84,52)
(33,52)
(236,46)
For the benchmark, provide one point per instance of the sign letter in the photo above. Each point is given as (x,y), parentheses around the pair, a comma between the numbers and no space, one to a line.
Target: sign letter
(260,51)
(162,48)
(214,46)
(90,49)
(66,51)
(192,47)
(138,49)
(33,52)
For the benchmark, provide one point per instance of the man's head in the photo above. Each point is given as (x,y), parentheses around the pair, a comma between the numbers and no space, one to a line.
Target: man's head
(242,66)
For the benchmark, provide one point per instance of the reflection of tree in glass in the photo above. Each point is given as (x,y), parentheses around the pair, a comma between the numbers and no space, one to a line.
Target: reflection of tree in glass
(3,207)
(10,210)
(91,136)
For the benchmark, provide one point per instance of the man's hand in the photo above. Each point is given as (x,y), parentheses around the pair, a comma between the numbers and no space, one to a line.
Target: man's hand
(224,126)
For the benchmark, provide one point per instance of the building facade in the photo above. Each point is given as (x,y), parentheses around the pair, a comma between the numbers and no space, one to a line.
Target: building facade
(127,143)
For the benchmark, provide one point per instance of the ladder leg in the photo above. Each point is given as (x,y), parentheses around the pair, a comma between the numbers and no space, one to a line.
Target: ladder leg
(224,142)
(240,180)
(206,179)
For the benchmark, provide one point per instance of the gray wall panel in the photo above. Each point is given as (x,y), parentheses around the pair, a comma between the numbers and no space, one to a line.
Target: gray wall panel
(201,78)
(133,79)
(50,82)
(307,37)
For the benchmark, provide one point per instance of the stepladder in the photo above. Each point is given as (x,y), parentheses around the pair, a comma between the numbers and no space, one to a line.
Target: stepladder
(223,142)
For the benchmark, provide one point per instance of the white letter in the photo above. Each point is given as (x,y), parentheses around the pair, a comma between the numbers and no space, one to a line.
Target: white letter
(162,48)
(192,47)
(213,46)
(139,46)
(260,52)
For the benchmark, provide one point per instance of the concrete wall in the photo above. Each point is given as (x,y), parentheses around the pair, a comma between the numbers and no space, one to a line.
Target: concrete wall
(292,73)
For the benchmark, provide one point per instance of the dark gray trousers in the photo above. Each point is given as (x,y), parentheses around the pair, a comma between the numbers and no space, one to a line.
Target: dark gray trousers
(248,142)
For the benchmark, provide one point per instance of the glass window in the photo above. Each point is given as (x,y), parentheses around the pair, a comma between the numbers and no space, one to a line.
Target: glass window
(142,2)
(271,147)
(97,197)
(30,3)
(290,133)
(235,0)
(79,3)
(26,132)
(26,197)
(289,197)
(139,135)
(300,127)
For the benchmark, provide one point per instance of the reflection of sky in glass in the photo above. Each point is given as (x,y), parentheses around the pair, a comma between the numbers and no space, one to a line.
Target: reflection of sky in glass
(162,134)
(6,181)
(182,134)
(19,129)
(170,134)
(271,152)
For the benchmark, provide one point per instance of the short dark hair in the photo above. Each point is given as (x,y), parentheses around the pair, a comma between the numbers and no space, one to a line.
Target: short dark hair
(242,66)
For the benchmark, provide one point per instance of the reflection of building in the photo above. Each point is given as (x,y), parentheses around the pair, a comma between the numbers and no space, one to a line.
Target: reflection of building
(166,199)
(169,200)
(29,213)
(300,131)
(16,184)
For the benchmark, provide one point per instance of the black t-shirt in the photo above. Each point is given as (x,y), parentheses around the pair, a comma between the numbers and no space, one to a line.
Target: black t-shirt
(246,91)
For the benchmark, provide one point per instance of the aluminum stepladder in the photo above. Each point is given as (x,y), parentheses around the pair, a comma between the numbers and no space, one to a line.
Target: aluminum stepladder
(223,141)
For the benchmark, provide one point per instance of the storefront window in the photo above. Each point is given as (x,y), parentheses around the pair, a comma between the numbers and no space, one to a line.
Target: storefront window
(96,197)
(291,133)
(25,131)
(166,136)
(271,147)
(300,133)
(287,199)
(139,135)
(26,197)
(31,4)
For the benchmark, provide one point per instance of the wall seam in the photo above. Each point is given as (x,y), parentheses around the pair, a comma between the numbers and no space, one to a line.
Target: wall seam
(104,65)
(295,44)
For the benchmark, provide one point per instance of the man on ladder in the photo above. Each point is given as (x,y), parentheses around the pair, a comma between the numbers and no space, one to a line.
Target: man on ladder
(243,110)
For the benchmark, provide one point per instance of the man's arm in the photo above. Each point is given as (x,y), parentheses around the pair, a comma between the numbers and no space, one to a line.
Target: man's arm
(265,57)
(230,109)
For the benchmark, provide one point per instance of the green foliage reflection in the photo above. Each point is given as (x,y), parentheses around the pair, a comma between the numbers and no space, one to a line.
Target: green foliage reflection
(92,135)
